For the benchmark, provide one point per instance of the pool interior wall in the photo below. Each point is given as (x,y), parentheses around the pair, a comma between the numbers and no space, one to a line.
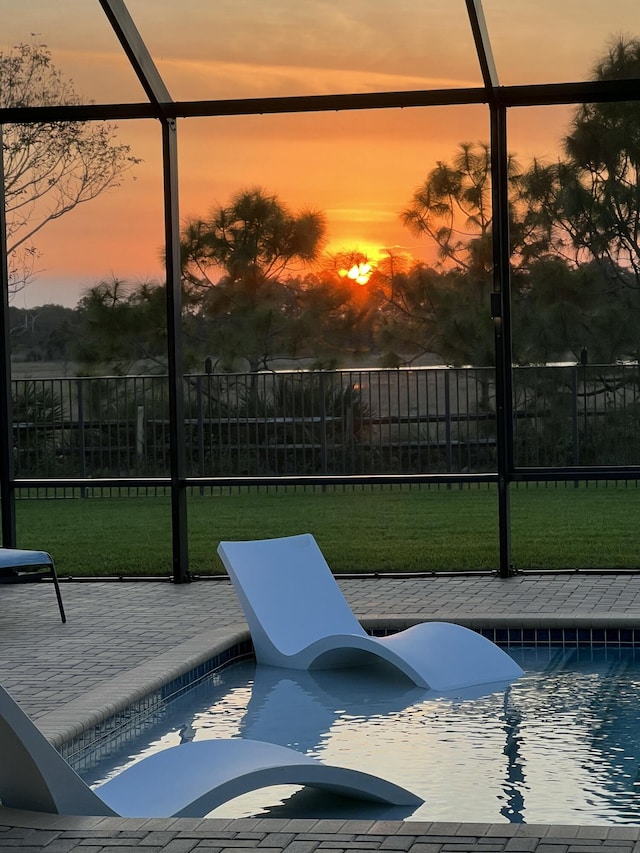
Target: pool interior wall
(87,749)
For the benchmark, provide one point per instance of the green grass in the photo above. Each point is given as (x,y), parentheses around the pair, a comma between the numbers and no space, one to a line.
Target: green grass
(359,530)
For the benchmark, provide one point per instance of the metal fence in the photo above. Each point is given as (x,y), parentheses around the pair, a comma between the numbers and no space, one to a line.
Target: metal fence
(413,421)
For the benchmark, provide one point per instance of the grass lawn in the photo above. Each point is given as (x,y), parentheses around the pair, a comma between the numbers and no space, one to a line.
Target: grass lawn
(359,530)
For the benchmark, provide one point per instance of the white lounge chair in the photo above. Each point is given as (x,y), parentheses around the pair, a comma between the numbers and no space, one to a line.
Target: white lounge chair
(189,780)
(20,566)
(299,618)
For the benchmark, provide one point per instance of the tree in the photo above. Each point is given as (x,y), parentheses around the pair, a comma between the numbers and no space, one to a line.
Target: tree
(50,167)
(439,312)
(588,202)
(550,312)
(453,208)
(574,228)
(119,324)
(237,259)
(445,309)
(44,333)
(562,312)
(253,240)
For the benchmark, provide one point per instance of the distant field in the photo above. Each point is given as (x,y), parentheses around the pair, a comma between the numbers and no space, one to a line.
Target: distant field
(359,530)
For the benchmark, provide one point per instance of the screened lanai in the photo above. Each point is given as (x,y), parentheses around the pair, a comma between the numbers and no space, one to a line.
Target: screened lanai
(342,107)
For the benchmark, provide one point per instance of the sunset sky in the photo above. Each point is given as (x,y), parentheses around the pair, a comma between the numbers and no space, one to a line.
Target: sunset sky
(359,168)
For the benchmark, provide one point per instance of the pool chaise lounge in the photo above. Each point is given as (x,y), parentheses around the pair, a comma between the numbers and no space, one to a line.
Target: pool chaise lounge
(189,780)
(299,618)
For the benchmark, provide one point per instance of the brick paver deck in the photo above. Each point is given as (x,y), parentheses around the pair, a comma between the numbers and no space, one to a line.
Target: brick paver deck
(123,637)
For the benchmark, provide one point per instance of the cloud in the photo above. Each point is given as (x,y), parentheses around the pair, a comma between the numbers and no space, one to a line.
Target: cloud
(189,79)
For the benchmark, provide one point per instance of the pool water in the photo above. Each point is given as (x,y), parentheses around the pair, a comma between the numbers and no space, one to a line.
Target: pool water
(560,745)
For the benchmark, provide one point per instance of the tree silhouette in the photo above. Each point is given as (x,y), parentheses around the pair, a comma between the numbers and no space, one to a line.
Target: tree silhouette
(119,324)
(238,259)
(588,202)
(50,167)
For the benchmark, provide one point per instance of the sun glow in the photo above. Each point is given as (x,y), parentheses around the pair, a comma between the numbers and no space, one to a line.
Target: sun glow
(353,264)
(360,273)
(359,265)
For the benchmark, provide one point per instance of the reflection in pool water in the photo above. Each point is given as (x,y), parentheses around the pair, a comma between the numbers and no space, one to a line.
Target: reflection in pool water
(559,745)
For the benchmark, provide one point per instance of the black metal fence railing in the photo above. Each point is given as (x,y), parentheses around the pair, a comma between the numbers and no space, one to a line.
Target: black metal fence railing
(575,415)
(406,421)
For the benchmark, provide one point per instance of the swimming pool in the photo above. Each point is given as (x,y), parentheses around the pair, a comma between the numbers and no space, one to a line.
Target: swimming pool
(561,745)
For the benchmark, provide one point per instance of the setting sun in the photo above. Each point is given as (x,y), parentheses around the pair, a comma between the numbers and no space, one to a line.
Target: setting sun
(360,273)
(352,264)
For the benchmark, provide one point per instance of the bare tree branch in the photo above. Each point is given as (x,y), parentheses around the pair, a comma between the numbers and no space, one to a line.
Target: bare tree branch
(50,168)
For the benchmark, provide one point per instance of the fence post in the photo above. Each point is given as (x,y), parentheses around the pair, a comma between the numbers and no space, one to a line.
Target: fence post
(584,362)
(199,414)
(140,437)
(574,416)
(82,444)
(323,426)
(447,422)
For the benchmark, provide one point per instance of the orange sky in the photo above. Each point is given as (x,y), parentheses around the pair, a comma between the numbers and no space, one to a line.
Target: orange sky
(359,168)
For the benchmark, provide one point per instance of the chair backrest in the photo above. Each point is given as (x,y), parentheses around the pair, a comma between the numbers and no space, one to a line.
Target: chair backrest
(288,593)
(33,774)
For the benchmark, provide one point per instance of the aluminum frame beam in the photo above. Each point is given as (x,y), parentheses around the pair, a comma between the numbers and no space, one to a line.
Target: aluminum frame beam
(483,45)
(501,295)
(7,482)
(175,365)
(550,94)
(501,315)
(158,94)
(136,51)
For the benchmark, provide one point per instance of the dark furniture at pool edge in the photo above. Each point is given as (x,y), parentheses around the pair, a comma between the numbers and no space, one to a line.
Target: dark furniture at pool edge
(22,566)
